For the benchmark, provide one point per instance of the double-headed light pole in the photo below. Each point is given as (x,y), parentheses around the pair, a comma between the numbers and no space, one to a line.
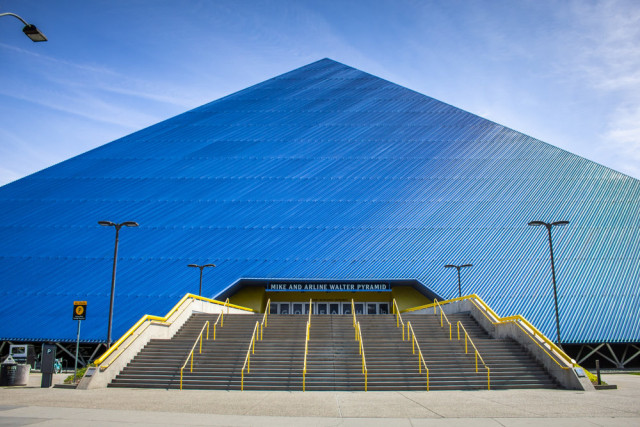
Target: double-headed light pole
(458,267)
(113,273)
(201,267)
(549,226)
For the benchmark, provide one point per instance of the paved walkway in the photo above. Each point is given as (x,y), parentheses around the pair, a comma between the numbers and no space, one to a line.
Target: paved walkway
(109,407)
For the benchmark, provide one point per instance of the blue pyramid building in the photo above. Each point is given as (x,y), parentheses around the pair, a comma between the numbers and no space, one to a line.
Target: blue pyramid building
(323,173)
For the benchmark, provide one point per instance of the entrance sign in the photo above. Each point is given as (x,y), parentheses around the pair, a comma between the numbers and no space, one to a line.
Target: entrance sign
(79,310)
(328,287)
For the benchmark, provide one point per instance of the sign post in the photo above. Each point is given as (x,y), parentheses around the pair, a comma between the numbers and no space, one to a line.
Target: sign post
(79,314)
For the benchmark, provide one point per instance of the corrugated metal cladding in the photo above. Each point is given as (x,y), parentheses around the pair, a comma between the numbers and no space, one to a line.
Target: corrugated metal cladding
(323,172)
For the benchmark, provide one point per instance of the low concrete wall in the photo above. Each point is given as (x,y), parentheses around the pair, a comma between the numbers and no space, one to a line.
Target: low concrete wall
(100,377)
(563,373)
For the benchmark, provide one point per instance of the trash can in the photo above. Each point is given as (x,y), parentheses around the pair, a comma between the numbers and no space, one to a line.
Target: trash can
(8,370)
(22,374)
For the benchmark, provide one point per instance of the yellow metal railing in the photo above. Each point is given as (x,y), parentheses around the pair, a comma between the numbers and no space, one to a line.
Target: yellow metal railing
(306,347)
(365,371)
(220,316)
(353,312)
(144,322)
(411,335)
(250,351)
(267,311)
(356,326)
(534,334)
(477,353)
(396,312)
(443,316)
(190,356)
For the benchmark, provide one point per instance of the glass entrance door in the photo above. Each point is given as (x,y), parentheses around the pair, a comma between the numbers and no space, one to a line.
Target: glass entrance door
(346,308)
(321,308)
(284,308)
(372,308)
(297,308)
(334,308)
(359,306)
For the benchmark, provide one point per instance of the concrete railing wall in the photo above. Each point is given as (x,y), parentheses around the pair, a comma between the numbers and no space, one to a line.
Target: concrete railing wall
(100,377)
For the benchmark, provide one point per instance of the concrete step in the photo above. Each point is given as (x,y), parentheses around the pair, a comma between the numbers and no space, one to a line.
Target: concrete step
(333,362)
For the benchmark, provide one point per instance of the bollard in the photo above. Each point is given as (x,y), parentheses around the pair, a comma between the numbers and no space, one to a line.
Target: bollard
(598,372)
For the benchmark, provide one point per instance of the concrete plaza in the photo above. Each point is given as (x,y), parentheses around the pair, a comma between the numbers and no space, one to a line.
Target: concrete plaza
(32,405)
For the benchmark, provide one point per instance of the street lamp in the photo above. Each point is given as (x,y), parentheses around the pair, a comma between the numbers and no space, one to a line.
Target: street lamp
(553,269)
(201,267)
(113,273)
(30,30)
(458,267)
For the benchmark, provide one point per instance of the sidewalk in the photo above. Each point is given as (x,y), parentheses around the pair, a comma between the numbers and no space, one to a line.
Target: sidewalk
(58,407)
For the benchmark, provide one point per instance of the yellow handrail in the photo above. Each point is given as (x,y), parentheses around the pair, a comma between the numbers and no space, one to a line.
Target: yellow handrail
(306,347)
(414,343)
(150,318)
(267,310)
(437,304)
(396,312)
(535,333)
(467,337)
(356,327)
(365,371)
(220,316)
(190,356)
(353,312)
(250,351)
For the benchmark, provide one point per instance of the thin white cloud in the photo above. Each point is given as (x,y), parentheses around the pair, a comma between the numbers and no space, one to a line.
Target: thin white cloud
(90,107)
(53,60)
(604,47)
(88,77)
(610,52)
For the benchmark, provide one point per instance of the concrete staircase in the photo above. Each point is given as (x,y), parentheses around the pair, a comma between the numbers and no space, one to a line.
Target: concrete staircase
(218,367)
(450,368)
(333,361)
(279,357)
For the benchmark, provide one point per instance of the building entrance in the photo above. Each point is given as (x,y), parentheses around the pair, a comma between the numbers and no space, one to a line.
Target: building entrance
(329,307)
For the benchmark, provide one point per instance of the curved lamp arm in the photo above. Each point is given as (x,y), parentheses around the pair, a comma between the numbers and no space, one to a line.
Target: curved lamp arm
(30,30)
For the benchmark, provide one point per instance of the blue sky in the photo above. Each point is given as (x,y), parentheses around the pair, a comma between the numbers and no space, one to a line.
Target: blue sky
(566,72)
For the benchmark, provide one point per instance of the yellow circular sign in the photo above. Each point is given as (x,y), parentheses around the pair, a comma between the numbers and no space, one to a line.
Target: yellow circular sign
(79,310)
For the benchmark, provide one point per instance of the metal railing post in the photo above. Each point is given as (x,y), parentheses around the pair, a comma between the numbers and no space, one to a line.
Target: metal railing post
(476,354)
(411,334)
(190,357)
